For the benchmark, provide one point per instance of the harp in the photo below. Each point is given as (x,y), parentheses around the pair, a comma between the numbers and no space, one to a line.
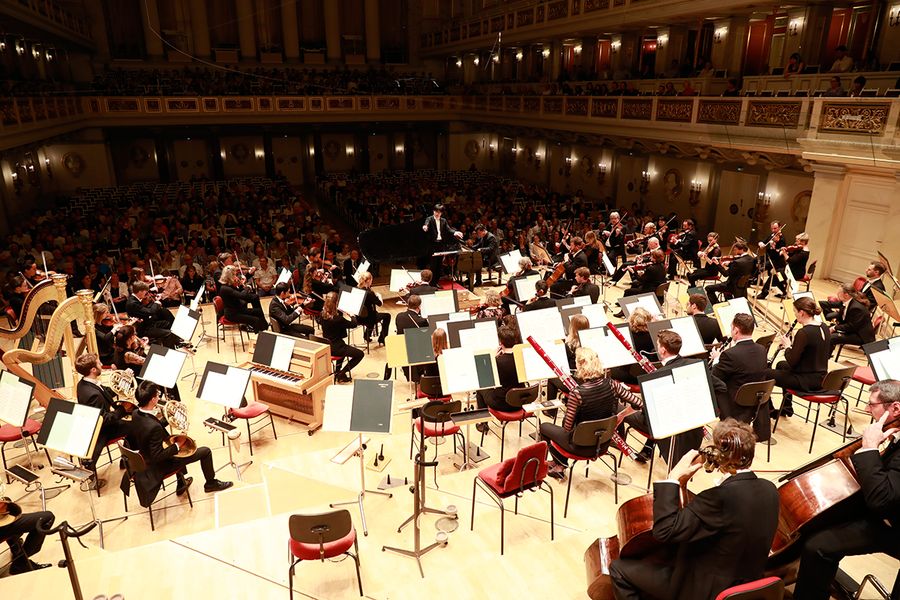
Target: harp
(37,296)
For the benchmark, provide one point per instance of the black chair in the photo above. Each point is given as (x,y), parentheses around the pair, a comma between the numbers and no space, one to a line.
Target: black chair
(321,536)
(433,420)
(754,396)
(517,398)
(591,433)
(766,341)
(135,464)
(833,385)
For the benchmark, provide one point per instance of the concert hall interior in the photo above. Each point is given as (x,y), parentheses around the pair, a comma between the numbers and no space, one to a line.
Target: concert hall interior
(241,238)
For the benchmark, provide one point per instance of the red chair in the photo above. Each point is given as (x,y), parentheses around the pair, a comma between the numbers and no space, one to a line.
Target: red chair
(433,421)
(222,323)
(336,361)
(321,536)
(513,477)
(253,410)
(864,377)
(810,271)
(769,588)
(10,434)
(598,435)
(516,397)
(832,392)
(136,464)
(93,469)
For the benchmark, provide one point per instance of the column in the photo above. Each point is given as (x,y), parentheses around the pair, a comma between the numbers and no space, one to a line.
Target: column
(373,32)
(200,28)
(729,43)
(94,13)
(150,19)
(555,60)
(827,201)
(290,29)
(246,28)
(332,31)
(262,23)
(589,56)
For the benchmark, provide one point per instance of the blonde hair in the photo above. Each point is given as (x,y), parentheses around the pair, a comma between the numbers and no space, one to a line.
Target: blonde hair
(329,308)
(439,341)
(587,365)
(638,319)
(229,275)
(365,279)
(576,323)
(100,309)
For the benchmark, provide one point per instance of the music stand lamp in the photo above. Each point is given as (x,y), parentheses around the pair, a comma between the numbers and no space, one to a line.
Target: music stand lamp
(225,385)
(366,407)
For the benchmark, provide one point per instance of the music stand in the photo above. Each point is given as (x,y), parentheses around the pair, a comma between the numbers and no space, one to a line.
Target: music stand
(163,366)
(884,356)
(510,261)
(648,302)
(184,326)
(470,263)
(678,400)
(195,306)
(886,304)
(71,428)
(225,385)
(544,324)
(366,407)
(686,327)
(412,347)
(605,344)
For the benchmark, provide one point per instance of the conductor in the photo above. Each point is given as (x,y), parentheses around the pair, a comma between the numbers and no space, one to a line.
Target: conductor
(439,235)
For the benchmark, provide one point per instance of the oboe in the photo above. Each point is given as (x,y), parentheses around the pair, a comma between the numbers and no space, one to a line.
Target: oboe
(570,383)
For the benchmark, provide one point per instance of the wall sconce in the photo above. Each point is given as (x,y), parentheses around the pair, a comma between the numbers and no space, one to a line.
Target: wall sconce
(662,40)
(894,16)
(765,199)
(49,54)
(645,182)
(491,148)
(696,188)
(475,61)
(47,167)
(519,55)
(35,52)
(496,58)
(615,45)
(17,181)
(577,49)
(537,160)
(458,63)
(399,148)
(720,34)
(312,150)
(567,170)
(20,47)
(601,173)
(259,154)
(795,26)
(349,150)
(545,52)
(2,45)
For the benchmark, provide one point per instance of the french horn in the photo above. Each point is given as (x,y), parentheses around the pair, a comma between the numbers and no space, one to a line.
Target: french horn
(176,414)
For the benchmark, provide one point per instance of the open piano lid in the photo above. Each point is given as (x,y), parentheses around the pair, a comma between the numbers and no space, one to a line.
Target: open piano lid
(394,242)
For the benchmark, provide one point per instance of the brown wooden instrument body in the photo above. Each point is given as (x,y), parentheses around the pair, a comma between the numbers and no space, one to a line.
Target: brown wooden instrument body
(558,272)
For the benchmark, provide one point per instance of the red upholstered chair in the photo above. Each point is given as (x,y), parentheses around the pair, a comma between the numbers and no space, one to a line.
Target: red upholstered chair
(769,588)
(223,324)
(810,271)
(596,434)
(433,421)
(513,477)
(253,410)
(10,434)
(321,536)
(864,376)
(136,464)
(832,392)
(514,397)
(113,442)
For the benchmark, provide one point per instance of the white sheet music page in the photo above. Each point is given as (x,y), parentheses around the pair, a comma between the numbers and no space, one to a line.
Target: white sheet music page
(164,369)
(483,336)
(184,324)
(691,342)
(457,370)
(536,367)
(610,350)
(542,324)
(608,264)
(442,302)
(679,402)
(282,353)
(15,397)
(649,304)
(525,287)
(363,266)
(351,300)
(400,279)
(510,261)
(452,317)
(222,388)
(596,314)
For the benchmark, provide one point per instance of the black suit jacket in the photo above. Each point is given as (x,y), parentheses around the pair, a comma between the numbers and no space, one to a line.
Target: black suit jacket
(423,289)
(879,478)
(723,535)
(745,362)
(867,290)
(447,232)
(856,319)
(540,303)
(146,313)
(146,435)
(688,246)
(410,319)
(708,328)
(349,268)
(577,260)
(489,247)
(99,397)
(652,277)
(737,269)
(283,315)
(235,300)
(588,289)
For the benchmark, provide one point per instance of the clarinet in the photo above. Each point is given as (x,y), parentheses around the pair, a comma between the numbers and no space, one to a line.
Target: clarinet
(774,356)
(570,383)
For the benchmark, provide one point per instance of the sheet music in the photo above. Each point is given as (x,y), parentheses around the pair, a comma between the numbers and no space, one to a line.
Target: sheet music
(726,310)
(510,261)
(363,266)
(608,264)
(225,389)
(351,300)
(282,353)
(338,408)
(680,401)
(793,286)
(483,336)
(648,302)
(185,324)
(596,314)
(400,279)
(15,398)
(610,350)
(524,287)
(452,318)
(543,324)
(686,327)
(437,303)
(164,368)
(457,370)
(284,276)
(72,433)
(535,366)
(195,303)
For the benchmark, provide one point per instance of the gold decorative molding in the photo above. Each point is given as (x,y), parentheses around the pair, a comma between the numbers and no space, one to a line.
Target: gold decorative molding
(719,111)
(604,107)
(773,114)
(869,118)
(577,107)
(674,110)
(637,109)
(553,106)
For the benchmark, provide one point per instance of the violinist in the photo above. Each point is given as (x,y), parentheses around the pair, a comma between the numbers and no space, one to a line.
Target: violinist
(334,329)
(708,271)
(423,286)
(794,258)
(615,238)
(285,310)
(16,290)
(118,292)
(806,358)
(540,299)
(639,243)
(773,263)
(583,285)
(593,249)
(492,308)
(870,520)
(576,259)
(130,351)
(650,277)
(740,266)
(684,245)
(317,282)
(155,321)
(638,262)
(236,299)
(90,392)
(854,324)
(722,536)
(105,327)
(170,290)
(370,315)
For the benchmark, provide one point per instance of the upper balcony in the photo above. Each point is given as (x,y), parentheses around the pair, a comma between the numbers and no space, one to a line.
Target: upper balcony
(774,132)
(49,16)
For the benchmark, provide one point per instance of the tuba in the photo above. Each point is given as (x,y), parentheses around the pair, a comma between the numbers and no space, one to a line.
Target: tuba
(176,414)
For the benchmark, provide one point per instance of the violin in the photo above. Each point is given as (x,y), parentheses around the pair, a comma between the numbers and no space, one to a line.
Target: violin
(111,320)
(722,260)
(791,248)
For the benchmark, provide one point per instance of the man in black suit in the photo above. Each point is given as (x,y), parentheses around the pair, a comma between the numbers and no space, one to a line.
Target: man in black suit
(423,286)
(439,236)
(735,284)
(577,259)
(349,267)
(871,519)
(685,246)
(615,238)
(874,272)
(26,524)
(284,311)
(722,536)
(774,263)
(652,276)
(155,321)
(495,398)
(706,325)
(583,285)
(652,244)
(540,299)
(90,392)
(854,322)
(743,362)
(146,435)
(489,246)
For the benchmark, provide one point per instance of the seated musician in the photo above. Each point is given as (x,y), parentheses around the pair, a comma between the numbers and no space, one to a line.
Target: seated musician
(409,319)
(723,535)
(640,259)
(708,327)
(685,245)
(583,285)
(118,292)
(740,265)
(90,392)
(596,397)
(640,243)
(285,310)
(24,524)
(540,299)
(641,341)
(495,398)
(572,343)
(192,282)
(487,244)
(334,329)
(806,358)
(105,327)
(170,290)
(525,269)
(539,254)
(439,343)
(236,298)
(15,292)
(576,259)
(492,307)
(792,257)
(867,522)
(146,435)
(743,361)
(710,271)
(155,321)
(649,279)
(349,267)
(129,350)
(423,286)
(371,316)
(853,322)
(593,249)
(614,236)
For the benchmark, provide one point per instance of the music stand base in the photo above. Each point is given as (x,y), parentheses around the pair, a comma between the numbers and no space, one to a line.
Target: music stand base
(620,478)
(836,427)
(417,554)
(422,511)
(238,468)
(362,509)
(388,482)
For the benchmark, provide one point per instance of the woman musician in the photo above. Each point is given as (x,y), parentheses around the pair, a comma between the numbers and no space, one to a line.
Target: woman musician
(371,316)
(129,350)
(707,270)
(236,299)
(721,537)
(105,327)
(334,328)
(538,252)
(492,308)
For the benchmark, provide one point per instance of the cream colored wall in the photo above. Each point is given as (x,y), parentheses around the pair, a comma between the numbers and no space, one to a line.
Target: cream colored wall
(135,160)
(243,156)
(378,153)
(288,155)
(531,170)
(472,148)
(889,42)
(628,179)
(740,189)
(339,153)
(661,196)
(786,190)
(90,162)
(191,158)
